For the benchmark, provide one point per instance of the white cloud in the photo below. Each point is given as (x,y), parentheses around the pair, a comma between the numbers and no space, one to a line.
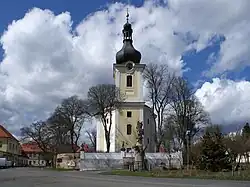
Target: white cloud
(227,101)
(46,59)
(208,19)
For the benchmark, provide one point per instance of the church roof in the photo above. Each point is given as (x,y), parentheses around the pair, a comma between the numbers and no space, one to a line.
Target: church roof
(128,52)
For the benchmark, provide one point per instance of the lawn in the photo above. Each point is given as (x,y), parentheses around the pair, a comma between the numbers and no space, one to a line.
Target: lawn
(242,175)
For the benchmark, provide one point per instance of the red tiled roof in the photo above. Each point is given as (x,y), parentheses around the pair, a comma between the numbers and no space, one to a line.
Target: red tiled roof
(6,134)
(24,154)
(86,148)
(31,147)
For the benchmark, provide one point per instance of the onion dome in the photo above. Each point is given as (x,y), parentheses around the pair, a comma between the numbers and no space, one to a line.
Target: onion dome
(128,52)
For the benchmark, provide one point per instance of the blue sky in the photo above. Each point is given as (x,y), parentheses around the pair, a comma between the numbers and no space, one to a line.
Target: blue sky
(28,80)
(12,10)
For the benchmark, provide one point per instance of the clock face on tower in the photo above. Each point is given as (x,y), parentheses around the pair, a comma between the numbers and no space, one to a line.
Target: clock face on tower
(129,66)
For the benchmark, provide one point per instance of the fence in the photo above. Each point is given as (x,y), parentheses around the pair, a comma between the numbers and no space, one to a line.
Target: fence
(103,161)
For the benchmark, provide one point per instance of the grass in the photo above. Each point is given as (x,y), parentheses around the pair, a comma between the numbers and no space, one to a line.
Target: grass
(242,175)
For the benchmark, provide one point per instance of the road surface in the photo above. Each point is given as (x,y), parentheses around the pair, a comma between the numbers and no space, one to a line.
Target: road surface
(34,177)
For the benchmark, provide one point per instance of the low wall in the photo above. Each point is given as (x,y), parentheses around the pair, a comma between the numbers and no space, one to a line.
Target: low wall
(103,161)
(68,160)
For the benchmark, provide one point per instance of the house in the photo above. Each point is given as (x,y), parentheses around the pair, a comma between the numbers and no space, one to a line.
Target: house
(10,147)
(36,156)
(24,159)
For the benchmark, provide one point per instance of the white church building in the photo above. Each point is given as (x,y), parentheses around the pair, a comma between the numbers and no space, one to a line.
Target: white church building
(128,77)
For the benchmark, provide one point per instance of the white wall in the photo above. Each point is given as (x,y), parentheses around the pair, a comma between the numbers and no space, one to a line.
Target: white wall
(113,132)
(97,161)
(101,141)
(99,136)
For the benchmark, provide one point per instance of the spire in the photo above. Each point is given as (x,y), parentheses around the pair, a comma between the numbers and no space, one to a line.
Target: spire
(127,15)
(127,10)
(128,52)
(127,29)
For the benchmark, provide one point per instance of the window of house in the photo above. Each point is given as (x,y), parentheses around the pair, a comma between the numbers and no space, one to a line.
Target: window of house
(148,121)
(10,146)
(34,162)
(129,114)
(1,144)
(129,129)
(129,81)
(59,160)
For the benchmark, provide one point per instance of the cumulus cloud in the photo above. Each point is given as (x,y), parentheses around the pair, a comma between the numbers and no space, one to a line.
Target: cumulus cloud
(46,59)
(227,101)
(209,21)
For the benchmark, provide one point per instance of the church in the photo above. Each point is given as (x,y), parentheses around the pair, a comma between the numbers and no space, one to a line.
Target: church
(128,77)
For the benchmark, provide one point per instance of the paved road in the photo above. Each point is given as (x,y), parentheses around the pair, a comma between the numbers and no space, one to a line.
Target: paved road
(32,177)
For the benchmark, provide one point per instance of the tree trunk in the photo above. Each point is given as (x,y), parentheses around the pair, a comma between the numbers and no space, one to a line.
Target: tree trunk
(233,168)
(159,131)
(184,153)
(72,142)
(54,161)
(158,144)
(107,138)
(108,146)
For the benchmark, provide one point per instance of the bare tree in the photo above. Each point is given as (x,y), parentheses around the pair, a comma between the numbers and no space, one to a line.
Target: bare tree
(59,136)
(37,132)
(103,100)
(159,81)
(169,136)
(71,114)
(92,137)
(187,113)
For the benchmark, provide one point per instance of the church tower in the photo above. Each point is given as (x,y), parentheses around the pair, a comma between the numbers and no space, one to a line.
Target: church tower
(128,70)
(128,77)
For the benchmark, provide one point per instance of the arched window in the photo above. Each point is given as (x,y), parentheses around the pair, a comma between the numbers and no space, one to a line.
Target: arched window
(129,129)
(129,81)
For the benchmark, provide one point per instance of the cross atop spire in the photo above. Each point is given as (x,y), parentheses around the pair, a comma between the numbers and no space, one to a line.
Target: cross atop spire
(127,15)
(128,3)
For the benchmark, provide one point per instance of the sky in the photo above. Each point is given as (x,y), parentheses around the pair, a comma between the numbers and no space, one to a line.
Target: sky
(51,50)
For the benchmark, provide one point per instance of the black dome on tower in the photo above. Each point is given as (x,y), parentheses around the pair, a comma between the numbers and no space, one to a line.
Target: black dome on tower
(128,52)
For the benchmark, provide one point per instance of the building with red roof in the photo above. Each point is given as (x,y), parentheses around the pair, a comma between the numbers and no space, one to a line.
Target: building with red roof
(10,148)
(36,156)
